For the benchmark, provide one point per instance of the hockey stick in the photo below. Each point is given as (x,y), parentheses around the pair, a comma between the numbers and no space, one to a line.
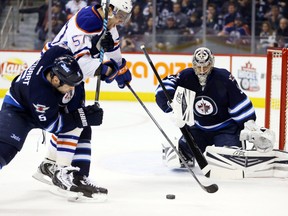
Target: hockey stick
(105,22)
(211,188)
(201,160)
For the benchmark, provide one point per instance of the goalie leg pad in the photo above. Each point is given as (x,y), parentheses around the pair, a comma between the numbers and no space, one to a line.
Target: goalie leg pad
(169,156)
(249,162)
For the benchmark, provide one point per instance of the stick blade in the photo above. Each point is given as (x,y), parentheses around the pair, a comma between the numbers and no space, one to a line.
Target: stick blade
(212,188)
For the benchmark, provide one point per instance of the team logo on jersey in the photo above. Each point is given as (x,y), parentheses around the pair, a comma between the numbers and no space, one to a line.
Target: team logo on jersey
(40,108)
(205,106)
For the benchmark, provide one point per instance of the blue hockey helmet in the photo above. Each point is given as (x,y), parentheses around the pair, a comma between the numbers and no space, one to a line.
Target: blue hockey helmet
(67,69)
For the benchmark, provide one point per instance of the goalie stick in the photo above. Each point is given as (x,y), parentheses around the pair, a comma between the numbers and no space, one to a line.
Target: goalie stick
(201,160)
(211,188)
(105,22)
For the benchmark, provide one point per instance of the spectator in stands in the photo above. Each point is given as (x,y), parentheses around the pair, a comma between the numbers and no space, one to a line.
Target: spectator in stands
(244,9)
(267,37)
(230,16)
(164,9)
(42,14)
(128,44)
(170,34)
(59,13)
(282,33)
(128,28)
(180,18)
(145,7)
(275,16)
(212,19)
(236,32)
(188,7)
(148,27)
(194,24)
(137,19)
(73,6)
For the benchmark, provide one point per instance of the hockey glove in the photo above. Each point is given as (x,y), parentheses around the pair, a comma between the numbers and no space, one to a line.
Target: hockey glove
(106,41)
(162,100)
(124,75)
(107,75)
(88,116)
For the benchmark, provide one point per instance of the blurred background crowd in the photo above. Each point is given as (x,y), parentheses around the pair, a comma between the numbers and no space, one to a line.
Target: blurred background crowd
(241,26)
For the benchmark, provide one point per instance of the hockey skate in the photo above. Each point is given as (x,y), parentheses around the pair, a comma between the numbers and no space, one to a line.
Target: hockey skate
(45,171)
(91,192)
(78,188)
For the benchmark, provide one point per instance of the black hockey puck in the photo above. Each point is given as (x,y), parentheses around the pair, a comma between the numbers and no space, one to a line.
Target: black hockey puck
(170,196)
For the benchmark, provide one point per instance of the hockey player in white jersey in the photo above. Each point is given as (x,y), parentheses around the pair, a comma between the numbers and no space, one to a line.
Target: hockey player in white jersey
(84,35)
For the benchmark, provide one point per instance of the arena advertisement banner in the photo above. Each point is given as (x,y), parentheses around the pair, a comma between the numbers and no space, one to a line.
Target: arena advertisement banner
(249,72)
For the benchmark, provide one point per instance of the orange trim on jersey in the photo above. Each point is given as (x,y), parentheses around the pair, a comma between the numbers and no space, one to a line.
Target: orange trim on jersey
(66,143)
(81,54)
(54,138)
(116,43)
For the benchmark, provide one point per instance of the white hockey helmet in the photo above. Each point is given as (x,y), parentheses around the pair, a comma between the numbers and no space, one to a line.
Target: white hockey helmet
(121,9)
(203,61)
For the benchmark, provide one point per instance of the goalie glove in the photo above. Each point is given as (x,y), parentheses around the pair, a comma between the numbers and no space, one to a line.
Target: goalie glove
(262,138)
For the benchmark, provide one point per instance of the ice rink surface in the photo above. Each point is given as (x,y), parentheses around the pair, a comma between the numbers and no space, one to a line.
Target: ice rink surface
(127,161)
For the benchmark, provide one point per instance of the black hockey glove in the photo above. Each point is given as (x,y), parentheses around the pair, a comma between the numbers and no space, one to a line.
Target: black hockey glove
(107,42)
(88,116)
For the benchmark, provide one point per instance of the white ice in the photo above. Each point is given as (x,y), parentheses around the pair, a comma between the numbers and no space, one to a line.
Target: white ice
(127,161)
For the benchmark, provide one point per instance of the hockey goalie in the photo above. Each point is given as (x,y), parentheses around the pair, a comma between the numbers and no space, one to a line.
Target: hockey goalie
(221,119)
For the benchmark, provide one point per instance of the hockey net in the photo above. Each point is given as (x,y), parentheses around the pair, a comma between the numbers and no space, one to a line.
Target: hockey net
(276,109)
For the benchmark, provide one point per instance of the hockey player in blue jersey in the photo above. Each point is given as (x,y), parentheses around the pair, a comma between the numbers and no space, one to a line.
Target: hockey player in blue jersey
(220,107)
(35,100)
(84,35)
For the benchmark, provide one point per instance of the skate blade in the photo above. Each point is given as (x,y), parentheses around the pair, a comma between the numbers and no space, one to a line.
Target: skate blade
(42,178)
(96,198)
(77,196)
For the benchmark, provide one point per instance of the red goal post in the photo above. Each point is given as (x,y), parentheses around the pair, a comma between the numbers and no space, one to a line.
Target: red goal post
(276,110)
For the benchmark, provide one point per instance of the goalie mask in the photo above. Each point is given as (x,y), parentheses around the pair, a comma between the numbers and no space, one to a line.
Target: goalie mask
(203,62)
(121,9)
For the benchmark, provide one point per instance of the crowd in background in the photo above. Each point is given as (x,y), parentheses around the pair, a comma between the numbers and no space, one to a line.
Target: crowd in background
(179,21)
